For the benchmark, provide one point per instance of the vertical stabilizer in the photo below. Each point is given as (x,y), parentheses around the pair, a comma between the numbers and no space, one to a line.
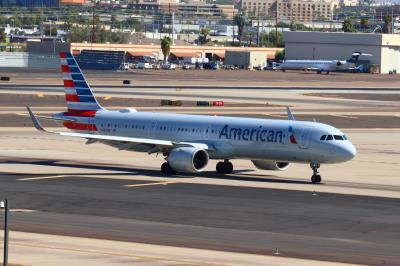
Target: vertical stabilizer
(78,95)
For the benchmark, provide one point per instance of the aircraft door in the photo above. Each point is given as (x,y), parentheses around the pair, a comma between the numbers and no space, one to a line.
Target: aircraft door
(305,138)
(92,126)
(207,132)
(152,129)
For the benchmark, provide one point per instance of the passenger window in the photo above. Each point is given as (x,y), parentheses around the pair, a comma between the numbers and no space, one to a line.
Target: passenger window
(329,137)
(338,137)
(323,137)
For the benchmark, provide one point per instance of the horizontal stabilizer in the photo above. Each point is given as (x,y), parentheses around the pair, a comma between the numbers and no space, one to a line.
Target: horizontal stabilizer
(52,118)
(35,121)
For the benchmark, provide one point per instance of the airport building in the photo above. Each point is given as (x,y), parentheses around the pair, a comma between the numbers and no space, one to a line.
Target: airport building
(384,48)
(289,10)
(246,59)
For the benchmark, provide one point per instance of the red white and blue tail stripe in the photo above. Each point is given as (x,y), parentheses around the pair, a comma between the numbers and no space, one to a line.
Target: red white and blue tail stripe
(78,95)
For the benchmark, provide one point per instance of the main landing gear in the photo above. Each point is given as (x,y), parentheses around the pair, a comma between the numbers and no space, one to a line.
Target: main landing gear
(315,178)
(225,167)
(166,169)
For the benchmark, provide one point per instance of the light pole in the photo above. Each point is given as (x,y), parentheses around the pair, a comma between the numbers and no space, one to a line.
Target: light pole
(4,205)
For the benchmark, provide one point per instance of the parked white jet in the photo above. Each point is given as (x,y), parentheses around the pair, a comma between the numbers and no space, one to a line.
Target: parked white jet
(322,65)
(189,141)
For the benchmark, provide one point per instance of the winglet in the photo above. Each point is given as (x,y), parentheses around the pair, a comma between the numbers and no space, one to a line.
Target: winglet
(35,121)
(289,113)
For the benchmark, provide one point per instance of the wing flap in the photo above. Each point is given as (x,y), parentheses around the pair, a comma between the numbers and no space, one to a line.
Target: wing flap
(118,138)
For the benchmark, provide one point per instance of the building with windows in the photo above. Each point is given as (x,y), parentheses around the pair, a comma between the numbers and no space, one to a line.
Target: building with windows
(30,3)
(291,10)
(183,9)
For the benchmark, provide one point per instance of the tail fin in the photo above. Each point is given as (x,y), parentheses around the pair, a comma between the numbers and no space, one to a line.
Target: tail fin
(78,95)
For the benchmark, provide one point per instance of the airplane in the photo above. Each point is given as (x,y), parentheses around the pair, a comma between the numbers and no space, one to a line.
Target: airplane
(188,142)
(322,65)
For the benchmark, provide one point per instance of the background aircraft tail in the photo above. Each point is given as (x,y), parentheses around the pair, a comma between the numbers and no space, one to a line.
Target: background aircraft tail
(78,95)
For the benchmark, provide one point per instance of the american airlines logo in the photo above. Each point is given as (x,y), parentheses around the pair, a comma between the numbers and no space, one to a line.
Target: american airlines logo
(251,134)
(292,137)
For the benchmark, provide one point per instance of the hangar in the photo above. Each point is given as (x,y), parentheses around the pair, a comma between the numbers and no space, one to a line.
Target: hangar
(246,59)
(385,48)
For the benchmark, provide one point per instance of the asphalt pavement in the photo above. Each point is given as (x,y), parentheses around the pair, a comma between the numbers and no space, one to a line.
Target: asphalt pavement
(300,224)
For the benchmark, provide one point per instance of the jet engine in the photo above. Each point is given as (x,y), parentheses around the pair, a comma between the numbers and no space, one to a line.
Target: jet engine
(270,165)
(338,63)
(188,159)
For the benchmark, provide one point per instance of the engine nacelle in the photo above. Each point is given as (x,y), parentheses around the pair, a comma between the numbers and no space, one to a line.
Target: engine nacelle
(270,165)
(188,159)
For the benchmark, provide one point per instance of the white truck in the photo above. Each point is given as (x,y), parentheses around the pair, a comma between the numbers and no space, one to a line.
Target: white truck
(169,66)
(144,65)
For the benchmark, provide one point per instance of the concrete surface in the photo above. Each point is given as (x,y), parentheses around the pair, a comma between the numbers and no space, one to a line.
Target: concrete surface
(50,250)
(210,78)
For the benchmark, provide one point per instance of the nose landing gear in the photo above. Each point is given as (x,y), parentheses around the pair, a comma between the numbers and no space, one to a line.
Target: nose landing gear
(315,178)
(225,167)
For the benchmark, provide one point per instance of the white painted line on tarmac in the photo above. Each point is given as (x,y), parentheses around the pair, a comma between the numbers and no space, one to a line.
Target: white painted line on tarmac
(275,115)
(22,210)
(152,184)
(345,116)
(42,177)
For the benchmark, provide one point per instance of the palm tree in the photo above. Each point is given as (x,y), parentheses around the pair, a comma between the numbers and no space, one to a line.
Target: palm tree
(347,26)
(250,39)
(204,32)
(166,43)
(388,24)
(240,21)
(364,23)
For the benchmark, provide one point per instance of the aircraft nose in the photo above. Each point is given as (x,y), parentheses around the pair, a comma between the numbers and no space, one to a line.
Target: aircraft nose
(348,151)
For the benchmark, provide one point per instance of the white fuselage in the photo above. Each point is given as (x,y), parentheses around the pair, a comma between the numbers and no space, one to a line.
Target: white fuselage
(229,137)
(316,65)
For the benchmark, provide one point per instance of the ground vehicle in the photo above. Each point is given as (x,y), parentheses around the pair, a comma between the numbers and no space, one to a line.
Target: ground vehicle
(271,66)
(144,65)
(168,66)
(125,66)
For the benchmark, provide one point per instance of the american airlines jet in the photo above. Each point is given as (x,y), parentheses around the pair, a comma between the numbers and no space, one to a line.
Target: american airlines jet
(188,142)
(322,65)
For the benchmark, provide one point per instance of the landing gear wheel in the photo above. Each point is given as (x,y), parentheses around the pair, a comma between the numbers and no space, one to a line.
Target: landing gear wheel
(220,168)
(225,167)
(166,169)
(316,179)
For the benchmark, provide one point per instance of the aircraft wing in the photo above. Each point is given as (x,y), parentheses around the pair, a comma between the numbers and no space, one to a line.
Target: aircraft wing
(123,143)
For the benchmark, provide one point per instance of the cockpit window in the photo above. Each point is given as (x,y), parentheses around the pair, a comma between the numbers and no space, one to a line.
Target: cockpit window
(338,137)
(329,137)
(344,137)
(323,137)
